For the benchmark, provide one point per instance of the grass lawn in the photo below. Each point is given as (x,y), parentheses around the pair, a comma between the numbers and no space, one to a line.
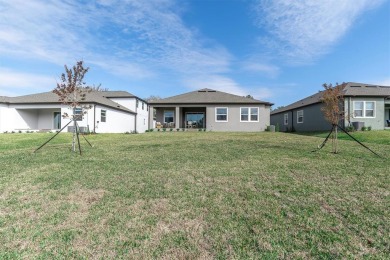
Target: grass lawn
(379,137)
(186,195)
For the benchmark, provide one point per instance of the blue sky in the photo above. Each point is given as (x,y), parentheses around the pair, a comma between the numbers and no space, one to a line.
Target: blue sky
(278,51)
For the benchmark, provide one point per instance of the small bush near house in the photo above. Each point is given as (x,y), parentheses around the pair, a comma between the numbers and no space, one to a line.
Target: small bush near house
(183,129)
(151,130)
(364,128)
(350,128)
(164,129)
(178,129)
(127,133)
(12,132)
(158,129)
(277,127)
(20,131)
(369,128)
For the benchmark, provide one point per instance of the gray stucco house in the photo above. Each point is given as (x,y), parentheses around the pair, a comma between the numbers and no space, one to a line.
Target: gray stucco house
(212,110)
(365,103)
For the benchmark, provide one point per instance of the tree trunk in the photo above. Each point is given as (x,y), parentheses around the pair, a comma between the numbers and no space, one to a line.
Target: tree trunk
(74,136)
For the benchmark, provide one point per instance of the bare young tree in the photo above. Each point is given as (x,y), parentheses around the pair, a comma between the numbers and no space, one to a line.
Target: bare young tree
(332,97)
(72,90)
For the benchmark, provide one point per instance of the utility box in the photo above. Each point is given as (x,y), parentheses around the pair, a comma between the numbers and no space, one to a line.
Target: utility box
(357,125)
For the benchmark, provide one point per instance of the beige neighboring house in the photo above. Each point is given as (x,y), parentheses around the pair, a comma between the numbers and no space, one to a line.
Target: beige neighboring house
(111,112)
(211,110)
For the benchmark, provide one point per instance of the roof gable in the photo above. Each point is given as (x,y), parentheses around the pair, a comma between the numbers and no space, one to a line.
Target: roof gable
(99,97)
(350,89)
(208,96)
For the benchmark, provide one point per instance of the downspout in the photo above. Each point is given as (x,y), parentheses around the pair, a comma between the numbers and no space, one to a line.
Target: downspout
(292,118)
(349,111)
(94,118)
(135,123)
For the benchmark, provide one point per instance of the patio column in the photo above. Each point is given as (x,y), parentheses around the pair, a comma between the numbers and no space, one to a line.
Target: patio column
(177,117)
(151,117)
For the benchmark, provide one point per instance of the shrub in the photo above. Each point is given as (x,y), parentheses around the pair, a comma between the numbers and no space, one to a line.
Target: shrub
(5,132)
(204,129)
(364,128)
(178,129)
(183,129)
(12,132)
(277,128)
(164,129)
(151,130)
(158,129)
(171,129)
(369,128)
(127,133)
(200,129)
(350,128)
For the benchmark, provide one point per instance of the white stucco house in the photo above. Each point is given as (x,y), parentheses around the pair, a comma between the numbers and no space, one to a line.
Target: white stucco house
(111,112)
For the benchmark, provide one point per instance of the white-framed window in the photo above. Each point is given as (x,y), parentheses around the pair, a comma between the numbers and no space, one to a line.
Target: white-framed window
(300,116)
(78,113)
(285,119)
(143,105)
(103,115)
(364,109)
(221,114)
(249,114)
(168,116)
(136,103)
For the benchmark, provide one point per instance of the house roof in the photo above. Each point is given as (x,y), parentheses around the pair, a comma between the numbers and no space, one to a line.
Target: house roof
(350,89)
(99,97)
(207,96)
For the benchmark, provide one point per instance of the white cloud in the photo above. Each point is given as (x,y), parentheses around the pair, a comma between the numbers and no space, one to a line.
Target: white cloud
(266,69)
(13,82)
(128,37)
(301,31)
(215,82)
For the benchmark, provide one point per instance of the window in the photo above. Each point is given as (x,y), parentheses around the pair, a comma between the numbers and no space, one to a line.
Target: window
(143,105)
(103,116)
(370,108)
(136,103)
(168,116)
(78,114)
(221,114)
(254,114)
(300,116)
(364,108)
(249,114)
(358,108)
(285,119)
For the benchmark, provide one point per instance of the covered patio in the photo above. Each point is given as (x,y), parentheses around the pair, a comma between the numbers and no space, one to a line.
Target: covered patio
(190,117)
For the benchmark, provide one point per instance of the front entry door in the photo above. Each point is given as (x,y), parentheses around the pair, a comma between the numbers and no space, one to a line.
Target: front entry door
(57,120)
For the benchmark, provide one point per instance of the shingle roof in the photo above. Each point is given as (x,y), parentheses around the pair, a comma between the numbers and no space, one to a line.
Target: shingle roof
(207,96)
(99,97)
(350,89)
(360,89)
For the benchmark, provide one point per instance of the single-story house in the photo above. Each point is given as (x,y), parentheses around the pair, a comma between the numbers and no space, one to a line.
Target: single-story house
(364,105)
(111,112)
(211,110)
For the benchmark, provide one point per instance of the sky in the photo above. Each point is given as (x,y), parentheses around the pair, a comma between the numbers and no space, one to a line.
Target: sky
(278,51)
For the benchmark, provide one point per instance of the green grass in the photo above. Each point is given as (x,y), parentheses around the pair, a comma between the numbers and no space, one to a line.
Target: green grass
(378,137)
(186,195)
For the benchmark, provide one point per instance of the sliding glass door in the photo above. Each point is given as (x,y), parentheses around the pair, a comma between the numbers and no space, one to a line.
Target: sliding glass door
(195,120)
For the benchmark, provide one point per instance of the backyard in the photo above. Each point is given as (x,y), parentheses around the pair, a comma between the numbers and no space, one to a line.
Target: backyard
(188,195)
